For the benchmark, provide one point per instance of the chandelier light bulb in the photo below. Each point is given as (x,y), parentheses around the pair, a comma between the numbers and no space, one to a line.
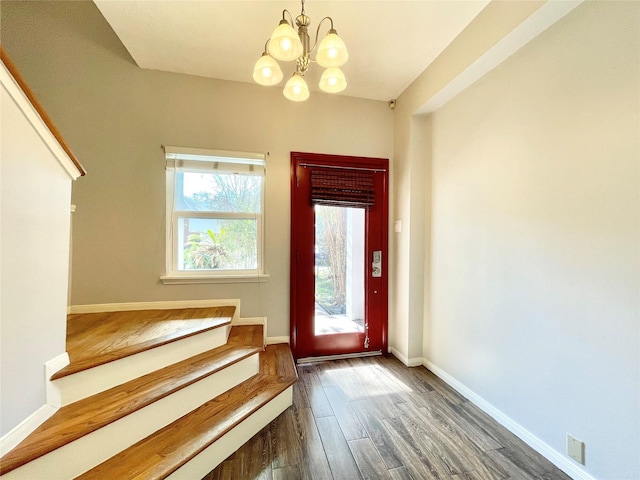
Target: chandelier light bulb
(288,44)
(285,45)
(332,52)
(296,88)
(267,71)
(333,80)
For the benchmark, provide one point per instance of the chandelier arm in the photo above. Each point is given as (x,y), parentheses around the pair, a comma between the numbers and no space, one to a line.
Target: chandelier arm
(318,32)
(290,17)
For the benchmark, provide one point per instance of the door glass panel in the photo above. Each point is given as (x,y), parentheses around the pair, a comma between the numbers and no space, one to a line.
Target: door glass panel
(339,270)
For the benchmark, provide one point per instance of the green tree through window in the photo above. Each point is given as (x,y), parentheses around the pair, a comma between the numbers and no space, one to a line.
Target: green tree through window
(217,214)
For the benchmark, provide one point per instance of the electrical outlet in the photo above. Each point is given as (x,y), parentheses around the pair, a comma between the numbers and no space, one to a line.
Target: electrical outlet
(575,449)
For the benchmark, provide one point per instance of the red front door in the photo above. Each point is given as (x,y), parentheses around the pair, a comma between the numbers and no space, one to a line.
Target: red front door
(339,219)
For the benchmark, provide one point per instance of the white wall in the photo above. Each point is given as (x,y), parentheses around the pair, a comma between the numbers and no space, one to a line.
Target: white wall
(117,116)
(535,230)
(35,194)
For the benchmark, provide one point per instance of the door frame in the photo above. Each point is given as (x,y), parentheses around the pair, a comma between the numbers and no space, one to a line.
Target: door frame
(381,164)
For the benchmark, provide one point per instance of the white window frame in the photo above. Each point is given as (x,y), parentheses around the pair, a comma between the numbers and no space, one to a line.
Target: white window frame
(194,159)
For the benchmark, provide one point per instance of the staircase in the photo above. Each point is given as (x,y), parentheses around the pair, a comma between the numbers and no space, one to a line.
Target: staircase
(154,394)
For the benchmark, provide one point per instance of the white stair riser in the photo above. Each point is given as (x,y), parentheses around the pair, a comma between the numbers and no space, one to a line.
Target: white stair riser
(98,379)
(85,453)
(231,441)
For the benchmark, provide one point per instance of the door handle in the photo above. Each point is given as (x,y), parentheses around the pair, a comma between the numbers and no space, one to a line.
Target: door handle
(376,264)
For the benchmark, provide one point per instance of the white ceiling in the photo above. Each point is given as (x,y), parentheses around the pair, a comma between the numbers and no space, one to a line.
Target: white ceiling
(390,42)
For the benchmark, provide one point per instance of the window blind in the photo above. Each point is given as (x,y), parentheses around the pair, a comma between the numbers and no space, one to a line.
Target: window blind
(342,188)
(210,161)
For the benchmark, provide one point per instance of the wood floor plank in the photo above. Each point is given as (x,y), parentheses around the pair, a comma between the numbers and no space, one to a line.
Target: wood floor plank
(453,444)
(417,427)
(441,452)
(230,470)
(368,459)
(315,393)
(422,461)
(473,475)
(314,456)
(285,444)
(442,411)
(252,460)
(382,388)
(255,457)
(441,387)
(513,470)
(343,465)
(408,376)
(347,419)
(555,475)
(329,377)
(399,473)
(300,399)
(291,472)
(379,381)
(526,459)
(377,433)
(518,451)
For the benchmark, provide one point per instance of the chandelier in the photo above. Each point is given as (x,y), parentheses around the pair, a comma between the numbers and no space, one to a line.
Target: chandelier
(287,45)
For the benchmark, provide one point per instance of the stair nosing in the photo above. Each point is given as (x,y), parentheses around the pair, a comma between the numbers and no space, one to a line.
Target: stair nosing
(70,370)
(212,420)
(283,382)
(246,350)
(131,350)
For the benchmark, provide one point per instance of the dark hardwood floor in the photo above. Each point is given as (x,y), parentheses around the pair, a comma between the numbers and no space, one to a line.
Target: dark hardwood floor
(374,418)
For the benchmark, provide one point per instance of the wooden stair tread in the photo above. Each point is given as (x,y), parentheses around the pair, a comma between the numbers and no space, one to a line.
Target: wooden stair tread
(162,453)
(97,338)
(73,421)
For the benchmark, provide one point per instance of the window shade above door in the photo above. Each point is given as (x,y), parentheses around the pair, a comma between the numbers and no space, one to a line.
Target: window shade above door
(342,188)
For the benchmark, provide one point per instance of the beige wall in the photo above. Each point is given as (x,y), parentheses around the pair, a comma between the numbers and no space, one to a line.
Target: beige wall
(535,233)
(116,116)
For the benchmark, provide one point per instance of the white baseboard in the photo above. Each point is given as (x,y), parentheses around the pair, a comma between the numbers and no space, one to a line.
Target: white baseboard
(56,364)
(120,307)
(555,457)
(24,428)
(274,340)
(52,393)
(250,321)
(409,362)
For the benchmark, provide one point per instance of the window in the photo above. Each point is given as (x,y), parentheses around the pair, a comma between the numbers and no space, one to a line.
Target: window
(215,203)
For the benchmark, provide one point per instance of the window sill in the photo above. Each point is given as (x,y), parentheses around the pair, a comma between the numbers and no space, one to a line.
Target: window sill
(194,279)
